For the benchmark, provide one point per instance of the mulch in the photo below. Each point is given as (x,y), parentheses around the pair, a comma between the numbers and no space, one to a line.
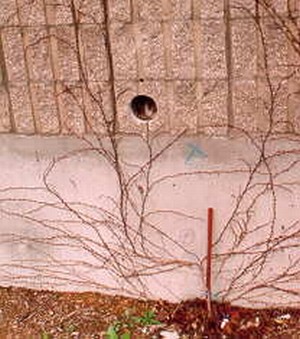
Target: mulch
(26,313)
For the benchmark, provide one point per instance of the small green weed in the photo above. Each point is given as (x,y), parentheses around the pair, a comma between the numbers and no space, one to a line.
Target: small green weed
(45,335)
(70,328)
(149,318)
(113,332)
(123,328)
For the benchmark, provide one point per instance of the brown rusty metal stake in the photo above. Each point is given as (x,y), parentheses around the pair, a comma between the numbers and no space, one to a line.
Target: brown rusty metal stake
(208,261)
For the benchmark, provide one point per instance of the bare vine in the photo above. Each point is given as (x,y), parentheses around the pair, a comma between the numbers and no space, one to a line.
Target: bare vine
(120,247)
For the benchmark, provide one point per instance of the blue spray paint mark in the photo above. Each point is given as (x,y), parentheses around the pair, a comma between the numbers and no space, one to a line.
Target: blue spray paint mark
(194,153)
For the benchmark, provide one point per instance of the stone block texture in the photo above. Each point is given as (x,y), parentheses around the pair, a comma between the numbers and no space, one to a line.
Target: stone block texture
(65,66)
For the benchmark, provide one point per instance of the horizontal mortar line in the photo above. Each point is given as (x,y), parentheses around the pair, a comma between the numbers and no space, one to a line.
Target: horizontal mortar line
(52,82)
(196,18)
(245,16)
(50,25)
(12,83)
(197,79)
(203,19)
(38,133)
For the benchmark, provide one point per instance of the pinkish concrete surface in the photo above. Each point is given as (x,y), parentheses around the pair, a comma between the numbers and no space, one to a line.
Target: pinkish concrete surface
(45,246)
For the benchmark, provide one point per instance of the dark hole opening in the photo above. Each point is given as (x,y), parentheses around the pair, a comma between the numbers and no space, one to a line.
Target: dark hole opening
(143,107)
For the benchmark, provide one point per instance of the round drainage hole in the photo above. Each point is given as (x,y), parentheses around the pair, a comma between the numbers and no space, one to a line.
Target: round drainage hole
(143,107)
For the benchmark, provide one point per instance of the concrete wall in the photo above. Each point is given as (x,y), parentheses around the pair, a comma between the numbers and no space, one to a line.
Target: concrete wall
(45,244)
(212,72)
(191,56)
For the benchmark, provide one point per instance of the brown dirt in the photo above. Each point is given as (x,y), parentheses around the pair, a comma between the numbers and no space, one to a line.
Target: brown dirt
(42,314)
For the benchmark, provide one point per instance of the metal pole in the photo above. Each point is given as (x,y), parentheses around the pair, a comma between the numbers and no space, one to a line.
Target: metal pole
(208,261)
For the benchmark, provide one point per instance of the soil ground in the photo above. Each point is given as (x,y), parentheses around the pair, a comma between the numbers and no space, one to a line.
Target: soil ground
(33,314)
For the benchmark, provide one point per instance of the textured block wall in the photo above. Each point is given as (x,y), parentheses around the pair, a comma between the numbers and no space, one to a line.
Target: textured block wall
(202,61)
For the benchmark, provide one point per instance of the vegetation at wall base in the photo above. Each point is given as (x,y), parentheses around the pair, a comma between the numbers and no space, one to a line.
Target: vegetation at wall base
(45,315)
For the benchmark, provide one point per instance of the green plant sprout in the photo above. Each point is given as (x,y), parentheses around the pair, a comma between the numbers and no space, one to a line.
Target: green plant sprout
(45,335)
(123,328)
(149,318)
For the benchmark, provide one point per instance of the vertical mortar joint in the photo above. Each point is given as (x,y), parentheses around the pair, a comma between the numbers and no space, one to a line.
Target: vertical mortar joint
(4,84)
(229,64)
